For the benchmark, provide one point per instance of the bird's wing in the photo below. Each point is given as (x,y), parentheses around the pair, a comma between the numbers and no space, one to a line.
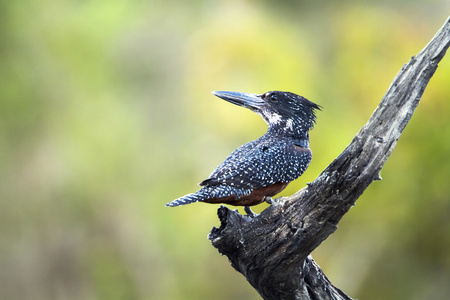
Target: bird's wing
(232,160)
(261,165)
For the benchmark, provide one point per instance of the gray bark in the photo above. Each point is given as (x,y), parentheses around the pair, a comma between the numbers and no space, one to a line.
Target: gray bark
(273,250)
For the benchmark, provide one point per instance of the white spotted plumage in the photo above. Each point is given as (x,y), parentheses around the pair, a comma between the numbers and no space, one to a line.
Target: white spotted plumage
(279,156)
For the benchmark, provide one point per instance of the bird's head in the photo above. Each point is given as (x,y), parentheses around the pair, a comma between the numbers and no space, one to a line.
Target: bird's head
(283,111)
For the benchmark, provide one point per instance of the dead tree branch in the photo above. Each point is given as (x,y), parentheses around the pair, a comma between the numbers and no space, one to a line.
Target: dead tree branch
(272,250)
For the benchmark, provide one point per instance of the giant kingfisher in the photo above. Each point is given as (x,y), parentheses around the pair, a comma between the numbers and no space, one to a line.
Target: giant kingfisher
(260,169)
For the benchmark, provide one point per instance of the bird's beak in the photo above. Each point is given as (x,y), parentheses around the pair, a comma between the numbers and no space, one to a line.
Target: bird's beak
(251,101)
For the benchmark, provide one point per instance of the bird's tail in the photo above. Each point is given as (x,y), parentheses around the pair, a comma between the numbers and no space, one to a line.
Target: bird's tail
(190,198)
(210,192)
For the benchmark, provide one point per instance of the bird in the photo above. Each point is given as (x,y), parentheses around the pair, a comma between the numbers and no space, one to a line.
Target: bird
(260,169)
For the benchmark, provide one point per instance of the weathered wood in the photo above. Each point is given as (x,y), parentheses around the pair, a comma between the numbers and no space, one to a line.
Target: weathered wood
(272,250)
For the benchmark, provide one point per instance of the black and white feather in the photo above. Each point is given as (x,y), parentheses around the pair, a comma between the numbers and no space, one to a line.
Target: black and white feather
(279,156)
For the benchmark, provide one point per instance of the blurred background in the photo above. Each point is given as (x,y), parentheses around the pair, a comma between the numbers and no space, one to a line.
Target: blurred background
(106,114)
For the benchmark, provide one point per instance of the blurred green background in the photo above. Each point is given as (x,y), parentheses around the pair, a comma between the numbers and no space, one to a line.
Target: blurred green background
(106,114)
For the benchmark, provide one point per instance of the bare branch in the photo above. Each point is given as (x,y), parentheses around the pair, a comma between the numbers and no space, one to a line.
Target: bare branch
(272,250)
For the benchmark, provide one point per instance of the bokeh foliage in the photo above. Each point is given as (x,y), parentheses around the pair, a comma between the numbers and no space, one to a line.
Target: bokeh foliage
(106,115)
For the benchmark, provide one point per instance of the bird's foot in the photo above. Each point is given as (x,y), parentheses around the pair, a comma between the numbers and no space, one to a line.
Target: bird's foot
(269,199)
(249,212)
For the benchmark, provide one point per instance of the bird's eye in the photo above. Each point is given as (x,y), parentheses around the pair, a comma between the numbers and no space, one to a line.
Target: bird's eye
(273,97)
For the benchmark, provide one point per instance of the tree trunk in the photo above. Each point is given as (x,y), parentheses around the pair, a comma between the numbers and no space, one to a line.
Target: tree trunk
(273,250)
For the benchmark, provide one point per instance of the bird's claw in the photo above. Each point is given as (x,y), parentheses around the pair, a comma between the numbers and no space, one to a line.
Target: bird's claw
(249,212)
(269,199)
